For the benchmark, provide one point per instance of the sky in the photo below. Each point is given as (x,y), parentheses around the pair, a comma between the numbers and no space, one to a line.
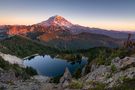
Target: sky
(106,14)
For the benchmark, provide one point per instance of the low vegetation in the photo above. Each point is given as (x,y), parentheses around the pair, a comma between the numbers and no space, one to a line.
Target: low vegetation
(77,73)
(4,64)
(103,56)
(70,57)
(96,85)
(55,79)
(30,71)
(76,85)
(128,84)
(113,68)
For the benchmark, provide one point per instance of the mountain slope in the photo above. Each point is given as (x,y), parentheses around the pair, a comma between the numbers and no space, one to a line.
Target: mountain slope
(79,41)
(110,33)
(23,47)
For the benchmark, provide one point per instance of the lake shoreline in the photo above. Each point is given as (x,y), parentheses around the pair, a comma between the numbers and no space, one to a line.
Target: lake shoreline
(49,66)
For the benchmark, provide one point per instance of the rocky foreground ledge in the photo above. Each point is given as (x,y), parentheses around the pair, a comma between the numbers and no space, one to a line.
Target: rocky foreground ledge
(112,75)
(104,76)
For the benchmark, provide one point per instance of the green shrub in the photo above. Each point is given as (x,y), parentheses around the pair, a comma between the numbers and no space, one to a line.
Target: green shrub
(4,64)
(77,73)
(70,57)
(109,75)
(97,85)
(2,88)
(31,71)
(113,68)
(55,79)
(76,85)
(128,84)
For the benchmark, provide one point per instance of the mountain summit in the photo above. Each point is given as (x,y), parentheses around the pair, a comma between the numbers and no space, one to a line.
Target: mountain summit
(56,21)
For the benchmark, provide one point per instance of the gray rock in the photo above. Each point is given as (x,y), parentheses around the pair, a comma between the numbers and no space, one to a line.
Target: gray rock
(127,62)
(83,71)
(103,74)
(41,78)
(8,76)
(117,78)
(123,63)
(93,67)
(116,62)
(99,74)
(66,78)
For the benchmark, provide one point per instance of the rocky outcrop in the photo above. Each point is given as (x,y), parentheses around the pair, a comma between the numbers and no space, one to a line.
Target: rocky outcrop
(112,75)
(124,63)
(98,74)
(66,78)
(117,78)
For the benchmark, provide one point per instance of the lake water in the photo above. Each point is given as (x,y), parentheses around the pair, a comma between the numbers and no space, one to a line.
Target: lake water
(48,66)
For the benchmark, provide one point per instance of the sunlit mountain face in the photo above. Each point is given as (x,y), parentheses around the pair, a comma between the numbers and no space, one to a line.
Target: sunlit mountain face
(56,21)
(60,33)
(59,23)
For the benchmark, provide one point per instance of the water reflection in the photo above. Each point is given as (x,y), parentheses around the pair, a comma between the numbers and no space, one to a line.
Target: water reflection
(51,66)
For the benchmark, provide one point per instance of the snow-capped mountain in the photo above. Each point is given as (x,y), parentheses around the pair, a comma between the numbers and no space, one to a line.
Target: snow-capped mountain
(56,21)
(59,32)
(60,21)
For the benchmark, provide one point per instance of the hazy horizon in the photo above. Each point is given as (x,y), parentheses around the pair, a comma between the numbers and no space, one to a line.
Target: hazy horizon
(105,14)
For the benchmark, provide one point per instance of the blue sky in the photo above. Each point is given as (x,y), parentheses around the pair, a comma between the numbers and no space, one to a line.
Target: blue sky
(108,14)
